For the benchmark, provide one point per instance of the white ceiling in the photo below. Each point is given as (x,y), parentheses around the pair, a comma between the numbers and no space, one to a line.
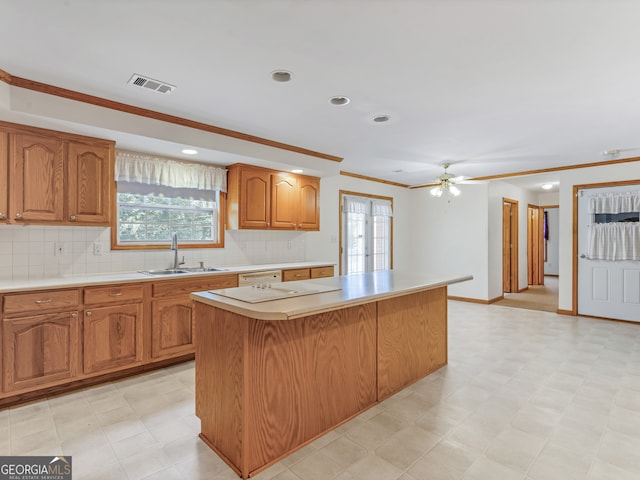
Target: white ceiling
(495,86)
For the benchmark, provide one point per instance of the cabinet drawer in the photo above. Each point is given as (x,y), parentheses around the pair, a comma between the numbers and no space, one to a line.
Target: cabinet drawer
(179,287)
(113,294)
(40,301)
(297,274)
(320,272)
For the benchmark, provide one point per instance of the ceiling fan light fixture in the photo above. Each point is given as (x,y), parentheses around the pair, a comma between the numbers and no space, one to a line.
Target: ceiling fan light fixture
(547,186)
(455,191)
(437,191)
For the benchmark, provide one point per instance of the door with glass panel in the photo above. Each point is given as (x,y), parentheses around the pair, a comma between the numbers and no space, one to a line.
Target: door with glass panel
(366,233)
(609,252)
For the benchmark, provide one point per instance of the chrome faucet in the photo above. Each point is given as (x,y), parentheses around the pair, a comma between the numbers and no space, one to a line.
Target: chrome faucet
(174,247)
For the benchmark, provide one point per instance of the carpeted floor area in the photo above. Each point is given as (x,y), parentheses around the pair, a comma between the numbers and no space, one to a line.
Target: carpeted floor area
(536,297)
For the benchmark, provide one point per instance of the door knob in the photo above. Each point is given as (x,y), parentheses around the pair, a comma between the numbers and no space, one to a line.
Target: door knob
(582,255)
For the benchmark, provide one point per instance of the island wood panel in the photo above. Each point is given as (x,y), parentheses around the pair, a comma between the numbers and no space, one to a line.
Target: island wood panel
(307,376)
(263,388)
(221,345)
(412,338)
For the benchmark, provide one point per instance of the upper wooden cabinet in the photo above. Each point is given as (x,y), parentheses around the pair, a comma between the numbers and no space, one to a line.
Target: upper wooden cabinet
(259,198)
(56,178)
(37,174)
(90,179)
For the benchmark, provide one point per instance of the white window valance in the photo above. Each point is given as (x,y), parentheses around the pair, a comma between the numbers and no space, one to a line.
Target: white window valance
(152,170)
(355,204)
(381,208)
(619,202)
(369,206)
(614,241)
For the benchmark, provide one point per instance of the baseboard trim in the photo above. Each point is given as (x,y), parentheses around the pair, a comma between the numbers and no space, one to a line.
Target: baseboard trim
(565,312)
(523,289)
(476,300)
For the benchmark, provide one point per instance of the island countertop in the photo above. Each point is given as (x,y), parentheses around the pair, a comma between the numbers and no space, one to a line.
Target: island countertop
(349,290)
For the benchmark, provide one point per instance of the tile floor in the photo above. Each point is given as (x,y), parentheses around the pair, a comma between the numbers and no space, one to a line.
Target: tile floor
(526,395)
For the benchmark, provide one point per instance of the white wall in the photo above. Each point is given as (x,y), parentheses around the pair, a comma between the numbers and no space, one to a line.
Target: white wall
(450,235)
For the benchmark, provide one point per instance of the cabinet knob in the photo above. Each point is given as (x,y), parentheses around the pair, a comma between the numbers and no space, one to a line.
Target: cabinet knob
(74,315)
(72,218)
(18,216)
(88,314)
(2,216)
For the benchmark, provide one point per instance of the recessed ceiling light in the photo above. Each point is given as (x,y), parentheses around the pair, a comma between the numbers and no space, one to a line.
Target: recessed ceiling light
(339,100)
(297,170)
(189,151)
(281,76)
(547,186)
(381,118)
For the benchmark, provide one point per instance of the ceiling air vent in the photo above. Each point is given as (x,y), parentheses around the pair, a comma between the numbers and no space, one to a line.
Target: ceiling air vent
(151,84)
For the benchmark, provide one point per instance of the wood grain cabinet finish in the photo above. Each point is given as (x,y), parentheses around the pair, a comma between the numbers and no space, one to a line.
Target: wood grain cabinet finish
(322,272)
(260,198)
(89,183)
(172,313)
(412,338)
(56,178)
(37,178)
(4,176)
(113,294)
(40,350)
(44,301)
(307,273)
(172,327)
(112,337)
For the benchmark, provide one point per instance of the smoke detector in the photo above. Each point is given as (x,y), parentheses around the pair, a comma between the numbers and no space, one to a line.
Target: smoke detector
(151,84)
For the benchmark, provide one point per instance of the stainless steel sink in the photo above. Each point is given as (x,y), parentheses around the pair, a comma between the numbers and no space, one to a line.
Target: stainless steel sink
(178,271)
(203,269)
(166,271)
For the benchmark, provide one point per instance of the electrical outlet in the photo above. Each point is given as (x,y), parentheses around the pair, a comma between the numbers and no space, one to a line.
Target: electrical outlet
(289,245)
(97,248)
(58,248)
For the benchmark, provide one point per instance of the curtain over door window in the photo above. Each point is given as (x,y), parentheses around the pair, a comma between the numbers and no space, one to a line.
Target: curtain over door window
(367,224)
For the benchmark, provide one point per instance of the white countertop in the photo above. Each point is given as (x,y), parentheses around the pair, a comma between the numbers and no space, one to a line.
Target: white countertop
(350,290)
(8,286)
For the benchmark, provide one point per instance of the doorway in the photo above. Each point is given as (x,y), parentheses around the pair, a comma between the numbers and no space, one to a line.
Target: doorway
(509,245)
(535,245)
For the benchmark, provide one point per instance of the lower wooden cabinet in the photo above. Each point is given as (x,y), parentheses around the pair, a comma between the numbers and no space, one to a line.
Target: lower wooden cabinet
(40,349)
(112,337)
(172,324)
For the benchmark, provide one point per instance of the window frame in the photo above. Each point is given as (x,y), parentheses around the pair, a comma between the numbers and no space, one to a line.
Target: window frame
(341,227)
(115,245)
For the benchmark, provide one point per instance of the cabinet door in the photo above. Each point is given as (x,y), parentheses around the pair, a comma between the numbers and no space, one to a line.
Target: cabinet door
(4,176)
(112,337)
(255,204)
(309,203)
(37,172)
(172,327)
(39,350)
(284,201)
(89,183)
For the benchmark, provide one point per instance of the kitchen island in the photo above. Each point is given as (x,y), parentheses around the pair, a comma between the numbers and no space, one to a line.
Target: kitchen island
(278,366)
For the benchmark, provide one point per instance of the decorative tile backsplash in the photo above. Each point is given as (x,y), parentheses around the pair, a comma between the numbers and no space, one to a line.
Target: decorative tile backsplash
(37,252)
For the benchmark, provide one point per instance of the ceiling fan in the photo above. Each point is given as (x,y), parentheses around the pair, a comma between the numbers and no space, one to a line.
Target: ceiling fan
(447,183)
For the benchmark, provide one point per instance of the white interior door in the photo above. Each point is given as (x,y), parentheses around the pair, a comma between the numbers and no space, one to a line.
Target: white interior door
(609,289)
